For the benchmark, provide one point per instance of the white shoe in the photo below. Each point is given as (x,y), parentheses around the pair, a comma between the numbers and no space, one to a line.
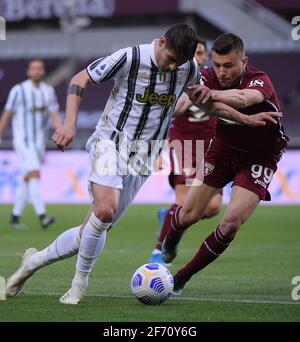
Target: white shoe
(17,280)
(19,226)
(76,292)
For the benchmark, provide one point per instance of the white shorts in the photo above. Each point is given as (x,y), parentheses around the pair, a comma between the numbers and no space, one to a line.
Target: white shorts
(30,158)
(103,172)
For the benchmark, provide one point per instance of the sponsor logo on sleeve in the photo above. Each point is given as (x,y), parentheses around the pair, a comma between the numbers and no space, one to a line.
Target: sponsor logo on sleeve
(256,83)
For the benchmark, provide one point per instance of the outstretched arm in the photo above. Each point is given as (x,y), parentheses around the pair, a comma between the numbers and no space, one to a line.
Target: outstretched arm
(226,112)
(238,98)
(64,135)
(199,95)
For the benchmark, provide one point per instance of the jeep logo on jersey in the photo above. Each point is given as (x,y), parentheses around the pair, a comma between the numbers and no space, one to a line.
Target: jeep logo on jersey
(38,109)
(153,98)
(256,83)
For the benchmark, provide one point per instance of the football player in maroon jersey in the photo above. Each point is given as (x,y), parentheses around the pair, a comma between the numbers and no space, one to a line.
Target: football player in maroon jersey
(186,129)
(247,156)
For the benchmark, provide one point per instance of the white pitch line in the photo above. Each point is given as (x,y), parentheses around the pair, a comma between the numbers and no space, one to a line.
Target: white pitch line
(19,254)
(192,299)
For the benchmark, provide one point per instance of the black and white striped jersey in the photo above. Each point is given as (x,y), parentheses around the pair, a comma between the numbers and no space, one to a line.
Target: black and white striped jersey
(143,97)
(31,106)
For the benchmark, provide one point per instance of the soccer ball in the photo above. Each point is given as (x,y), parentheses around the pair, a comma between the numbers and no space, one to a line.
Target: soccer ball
(152,284)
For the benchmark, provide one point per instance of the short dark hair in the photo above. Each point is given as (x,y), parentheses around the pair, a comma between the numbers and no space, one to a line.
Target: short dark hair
(35,60)
(182,39)
(202,42)
(228,42)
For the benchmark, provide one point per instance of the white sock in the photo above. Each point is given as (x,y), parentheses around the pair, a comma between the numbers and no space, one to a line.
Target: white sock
(156,251)
(91,245)
(81,279)
(21,199)
(65,246)
(36,196)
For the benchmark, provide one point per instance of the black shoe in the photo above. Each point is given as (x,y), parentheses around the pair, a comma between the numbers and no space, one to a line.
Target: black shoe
(46,221)
(168,252)
(178,286)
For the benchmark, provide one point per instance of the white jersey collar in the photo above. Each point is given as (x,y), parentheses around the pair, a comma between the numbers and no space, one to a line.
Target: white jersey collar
(152,55)
(31,84)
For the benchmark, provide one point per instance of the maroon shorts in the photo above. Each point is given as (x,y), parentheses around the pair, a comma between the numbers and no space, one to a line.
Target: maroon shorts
(223,165)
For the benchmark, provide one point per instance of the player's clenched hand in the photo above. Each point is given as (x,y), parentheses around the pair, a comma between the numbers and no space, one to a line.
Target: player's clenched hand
(199,94)
(261,119)
(63,136)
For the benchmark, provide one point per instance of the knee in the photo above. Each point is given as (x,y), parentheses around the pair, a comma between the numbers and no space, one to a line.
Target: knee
(105,214)
(230,225)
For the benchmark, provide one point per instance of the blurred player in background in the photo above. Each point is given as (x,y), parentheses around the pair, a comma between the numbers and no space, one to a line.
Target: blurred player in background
(148,80)
(29,105)
(245,155)
(189,124)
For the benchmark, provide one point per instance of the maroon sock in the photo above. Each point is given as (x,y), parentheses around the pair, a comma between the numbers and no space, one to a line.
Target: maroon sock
(214,245)
(165,227)
(176,231)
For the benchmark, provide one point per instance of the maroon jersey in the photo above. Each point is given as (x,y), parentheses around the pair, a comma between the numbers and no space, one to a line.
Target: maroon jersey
(265,141)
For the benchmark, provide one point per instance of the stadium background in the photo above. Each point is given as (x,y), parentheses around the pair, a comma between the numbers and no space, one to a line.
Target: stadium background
(253,280)
(69,34)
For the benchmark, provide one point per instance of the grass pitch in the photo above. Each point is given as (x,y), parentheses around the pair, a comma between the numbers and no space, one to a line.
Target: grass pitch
(250,282)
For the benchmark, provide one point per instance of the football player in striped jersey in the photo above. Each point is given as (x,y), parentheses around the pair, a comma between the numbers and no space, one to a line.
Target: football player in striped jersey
(29,105)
